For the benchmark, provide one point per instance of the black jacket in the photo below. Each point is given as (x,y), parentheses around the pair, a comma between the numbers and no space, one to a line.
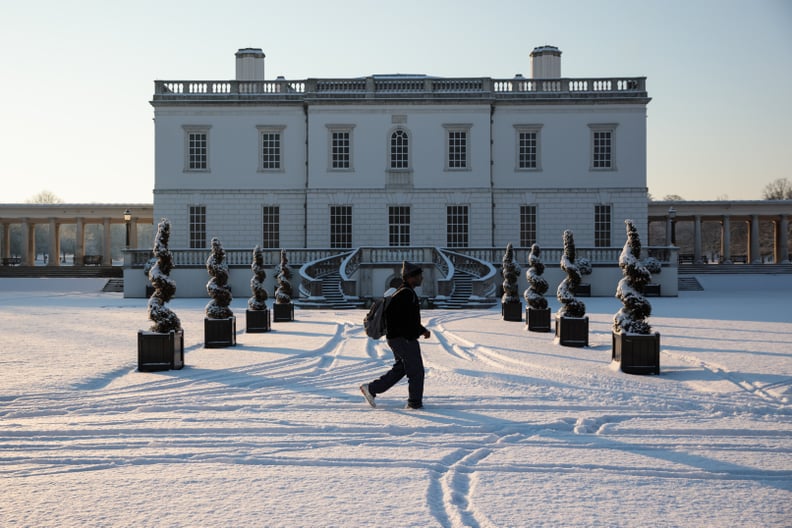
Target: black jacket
(403,316)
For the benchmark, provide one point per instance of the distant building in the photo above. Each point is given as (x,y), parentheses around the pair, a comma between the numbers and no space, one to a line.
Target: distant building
(400,160)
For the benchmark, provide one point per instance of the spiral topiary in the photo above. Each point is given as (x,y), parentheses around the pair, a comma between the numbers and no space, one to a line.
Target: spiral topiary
(259,299)
(570,306)
(510,272)
(284,292)
(164,287)
(631,317)
(537,285)
(217,287)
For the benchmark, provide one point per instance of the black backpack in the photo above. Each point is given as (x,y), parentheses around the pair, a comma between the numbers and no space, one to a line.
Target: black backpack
(374,322)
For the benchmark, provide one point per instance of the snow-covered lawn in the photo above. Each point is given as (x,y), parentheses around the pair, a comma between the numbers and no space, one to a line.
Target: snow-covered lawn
(517,431)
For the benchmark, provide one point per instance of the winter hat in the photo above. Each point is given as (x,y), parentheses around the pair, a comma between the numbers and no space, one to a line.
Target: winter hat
(408,270)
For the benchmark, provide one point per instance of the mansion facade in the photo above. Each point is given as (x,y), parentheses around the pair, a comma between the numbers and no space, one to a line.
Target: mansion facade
(400,160)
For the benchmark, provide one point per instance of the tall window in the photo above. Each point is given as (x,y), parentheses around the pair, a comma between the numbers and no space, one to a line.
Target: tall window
(602,146)
(457,226)
(527,225)
(528,147)
(457,151)
(341,226)
(270,139)
(399,225)
(271,227)
(340,147)
(399,150)
(602,226)
(196,148)
(197,226)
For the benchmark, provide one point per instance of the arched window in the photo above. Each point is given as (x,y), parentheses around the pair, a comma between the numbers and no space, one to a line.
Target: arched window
(399,150)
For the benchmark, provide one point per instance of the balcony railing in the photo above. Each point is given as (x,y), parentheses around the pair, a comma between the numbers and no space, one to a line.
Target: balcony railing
(401,86)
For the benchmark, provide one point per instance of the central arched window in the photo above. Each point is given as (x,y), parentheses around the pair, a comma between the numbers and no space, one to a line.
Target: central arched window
(399,150)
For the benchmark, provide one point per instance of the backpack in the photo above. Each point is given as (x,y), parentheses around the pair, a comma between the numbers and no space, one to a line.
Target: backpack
(374,322)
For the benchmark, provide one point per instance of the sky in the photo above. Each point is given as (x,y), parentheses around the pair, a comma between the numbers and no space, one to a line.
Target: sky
(78,75)
(516,431)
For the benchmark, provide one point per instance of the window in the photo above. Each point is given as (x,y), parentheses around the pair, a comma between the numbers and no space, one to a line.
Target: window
(197,226)
(602,157)
(457,151)
(271,227)
(341,226)
(196,148)
(399,150)
(602,226)
(340,147)
(457,226)
(528,147)
(399,225)
(527,225)
(270,139)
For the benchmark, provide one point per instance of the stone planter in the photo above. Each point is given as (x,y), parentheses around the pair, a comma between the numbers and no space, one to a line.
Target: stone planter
(538,320)
(219,333)
(637,353)
(257,321)
(583,290)
(652,290)
(282,312)
(512,311)
(572,331)
(160,351)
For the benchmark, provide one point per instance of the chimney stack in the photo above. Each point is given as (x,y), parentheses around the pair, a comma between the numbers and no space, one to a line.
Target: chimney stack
(250,64)
(546,63)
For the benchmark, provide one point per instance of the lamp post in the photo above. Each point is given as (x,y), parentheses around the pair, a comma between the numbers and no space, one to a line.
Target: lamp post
(127,218)
(670,228)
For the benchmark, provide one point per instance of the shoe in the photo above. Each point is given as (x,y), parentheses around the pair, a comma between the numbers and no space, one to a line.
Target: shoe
(366,394)
(414,406)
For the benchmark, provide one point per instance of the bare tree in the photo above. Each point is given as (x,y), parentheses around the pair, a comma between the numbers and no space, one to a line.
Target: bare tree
(780,189)
(45,197)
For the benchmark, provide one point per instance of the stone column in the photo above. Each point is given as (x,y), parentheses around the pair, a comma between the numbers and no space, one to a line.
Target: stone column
(726,240)
(54,246)
(781,242)
(28,243)
(6,239)
(79,243)
(133,234)
(754,256)
(107,257)
(697,240)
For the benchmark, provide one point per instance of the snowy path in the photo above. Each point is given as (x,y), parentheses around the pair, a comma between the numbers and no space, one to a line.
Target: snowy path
(517,431)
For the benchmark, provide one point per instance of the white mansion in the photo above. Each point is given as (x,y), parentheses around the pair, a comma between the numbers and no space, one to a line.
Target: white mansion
(400,160)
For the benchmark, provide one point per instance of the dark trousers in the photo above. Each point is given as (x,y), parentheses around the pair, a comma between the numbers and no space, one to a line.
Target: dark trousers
(408,363)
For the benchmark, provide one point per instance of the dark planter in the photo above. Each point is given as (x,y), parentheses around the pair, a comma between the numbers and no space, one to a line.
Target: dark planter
(219,333)
(637,353)
(512,311)
(583,290)
(652,290)
(282,312)
(149,290)
(538,320)
(257,321)
(572,331)
(160,351)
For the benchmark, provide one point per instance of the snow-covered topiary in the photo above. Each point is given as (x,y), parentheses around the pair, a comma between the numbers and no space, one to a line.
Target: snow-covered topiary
(537,285)
(652,265)
(570,306)
(631,318)
(283,294)
(217,287)
(510,272)
(164,287)
(259,299)
(584,266)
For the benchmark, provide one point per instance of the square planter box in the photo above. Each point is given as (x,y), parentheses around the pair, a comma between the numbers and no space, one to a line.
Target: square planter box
(583,290)
(538,320)
(282,312)
(572,331)
(257,321)
(160,351)
(652,290)
(219,333)
(512,312)
(637,353)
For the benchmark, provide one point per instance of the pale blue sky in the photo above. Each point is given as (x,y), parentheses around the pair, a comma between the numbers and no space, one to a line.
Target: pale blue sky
(77,75)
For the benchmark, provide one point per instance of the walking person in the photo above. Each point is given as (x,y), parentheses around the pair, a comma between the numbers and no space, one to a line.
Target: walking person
(403,328)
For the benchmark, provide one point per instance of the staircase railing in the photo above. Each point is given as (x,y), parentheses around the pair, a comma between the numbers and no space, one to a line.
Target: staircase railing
(311,274)
(482,271)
